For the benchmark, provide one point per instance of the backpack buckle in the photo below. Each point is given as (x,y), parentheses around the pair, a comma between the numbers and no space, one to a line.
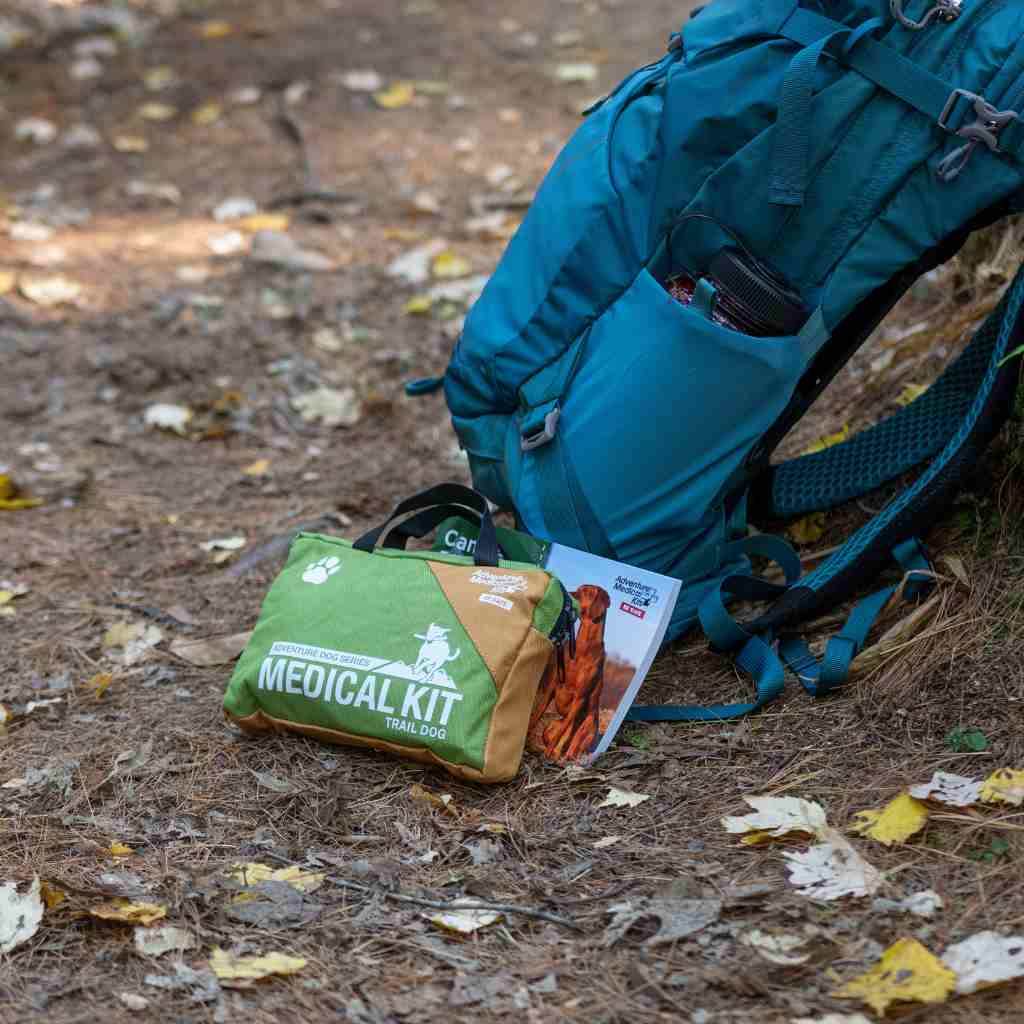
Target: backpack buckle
(542,436)
(986,128)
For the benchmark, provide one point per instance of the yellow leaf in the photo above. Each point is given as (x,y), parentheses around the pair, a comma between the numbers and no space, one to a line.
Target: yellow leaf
(159,78)
(6,597)
(99,683)
(398,94)
(911,393)
(51,896)
(828,441)
(893,824)
(419,305)
(449,264)
(157,111)
(232,970)
(127,912)
(1005,786)
(254,873)
(403,235)
(130,144)
(50,291)
(907,973)
(10,497)
(120,850)
(808,530)
(264,222)
(444,802)
(208,113)
(258,468)
(216,29)
(7,281)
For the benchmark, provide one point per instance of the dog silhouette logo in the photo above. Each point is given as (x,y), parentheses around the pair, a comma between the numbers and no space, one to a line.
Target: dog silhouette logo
(435,653)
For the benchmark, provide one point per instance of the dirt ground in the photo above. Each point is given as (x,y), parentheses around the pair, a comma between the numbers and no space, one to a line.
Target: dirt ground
(148,762)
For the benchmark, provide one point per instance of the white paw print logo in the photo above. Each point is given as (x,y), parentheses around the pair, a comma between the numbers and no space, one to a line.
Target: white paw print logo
(322,571)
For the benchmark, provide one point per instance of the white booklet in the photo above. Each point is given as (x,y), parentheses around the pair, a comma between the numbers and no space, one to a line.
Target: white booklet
(624,613)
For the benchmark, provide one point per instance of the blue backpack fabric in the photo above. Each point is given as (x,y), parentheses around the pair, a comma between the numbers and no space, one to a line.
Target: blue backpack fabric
(852,145)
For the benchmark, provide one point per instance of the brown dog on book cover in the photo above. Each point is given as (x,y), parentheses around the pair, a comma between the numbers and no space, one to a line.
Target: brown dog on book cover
(576,693)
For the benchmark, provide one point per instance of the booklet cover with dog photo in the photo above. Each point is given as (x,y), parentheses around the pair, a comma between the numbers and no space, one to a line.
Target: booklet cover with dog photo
(624,613)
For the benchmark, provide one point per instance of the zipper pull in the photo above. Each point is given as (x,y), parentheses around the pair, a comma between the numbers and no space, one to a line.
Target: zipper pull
(944,10)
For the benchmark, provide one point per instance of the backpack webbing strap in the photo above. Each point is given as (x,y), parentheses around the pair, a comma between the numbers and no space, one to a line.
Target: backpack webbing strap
(938,100)
(754,653)
(821,678)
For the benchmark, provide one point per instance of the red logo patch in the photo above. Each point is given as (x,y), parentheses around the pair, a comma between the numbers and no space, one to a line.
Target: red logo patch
(630,609)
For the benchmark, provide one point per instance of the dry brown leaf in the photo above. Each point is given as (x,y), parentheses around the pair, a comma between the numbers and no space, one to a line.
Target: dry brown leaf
(124,911)
(214,650)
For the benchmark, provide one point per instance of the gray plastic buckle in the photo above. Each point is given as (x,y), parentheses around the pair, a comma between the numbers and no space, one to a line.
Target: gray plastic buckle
(547,434)
(986,128)
(944,10)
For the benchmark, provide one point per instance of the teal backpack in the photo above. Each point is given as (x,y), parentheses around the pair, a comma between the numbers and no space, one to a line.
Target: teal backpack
(799,164)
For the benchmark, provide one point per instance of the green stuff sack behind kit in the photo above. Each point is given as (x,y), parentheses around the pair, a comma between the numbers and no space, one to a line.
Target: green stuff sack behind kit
(431,656)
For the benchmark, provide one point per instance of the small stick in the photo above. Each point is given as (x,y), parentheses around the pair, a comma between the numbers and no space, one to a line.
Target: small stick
(399,897)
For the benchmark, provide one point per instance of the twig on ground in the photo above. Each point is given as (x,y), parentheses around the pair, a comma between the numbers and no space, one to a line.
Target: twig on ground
(400,897)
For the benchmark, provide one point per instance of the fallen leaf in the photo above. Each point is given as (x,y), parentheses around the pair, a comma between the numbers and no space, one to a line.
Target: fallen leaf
(911,393)
(442,801)
(677,919)
(162,77)
(134,638)
(164,416)
(1005,786)
(258,468)
(419,305)
(948,789)
(166,192)
(130,144)
(254,873)
(603,844)
(895,823)
(924,904)
(52,896)
(50,291)
(828,441)
(332,407)
(133,1000)
(832,870)
(464,922)
(280,250)
(623,798)
(100,683)
(264,222)
(576,72)
(208,113)
(238,971)
(273,783)
(11,498)
(216,29)
(157,111)
(984,960)
(8,279)
(227,244)
(214,650)
(810,529)
(20,914)
(398,94)
(362,81)
(780,948)
(777,818)
(449,264)
(35,129)
(126,912)
(224,544)
(120,850)
(907,973)
(157,941)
